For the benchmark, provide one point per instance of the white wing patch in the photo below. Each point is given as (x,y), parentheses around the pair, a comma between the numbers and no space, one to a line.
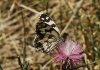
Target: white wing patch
(51,23)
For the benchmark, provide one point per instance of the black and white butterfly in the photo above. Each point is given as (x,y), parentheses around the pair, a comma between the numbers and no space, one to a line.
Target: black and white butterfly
(47,34)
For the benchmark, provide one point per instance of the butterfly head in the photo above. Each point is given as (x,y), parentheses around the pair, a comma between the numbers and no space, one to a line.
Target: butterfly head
(45,18)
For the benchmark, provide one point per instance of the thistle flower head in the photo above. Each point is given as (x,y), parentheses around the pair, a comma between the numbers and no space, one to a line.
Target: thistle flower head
(69,53)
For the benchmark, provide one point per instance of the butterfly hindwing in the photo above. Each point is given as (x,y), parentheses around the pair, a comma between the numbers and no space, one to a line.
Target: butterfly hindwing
(47,34)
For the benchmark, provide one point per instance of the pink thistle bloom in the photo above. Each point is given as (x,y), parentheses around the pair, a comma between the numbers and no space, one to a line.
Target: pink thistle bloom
(69,53)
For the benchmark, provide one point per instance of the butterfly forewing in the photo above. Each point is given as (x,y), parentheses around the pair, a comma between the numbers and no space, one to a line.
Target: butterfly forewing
(47,34)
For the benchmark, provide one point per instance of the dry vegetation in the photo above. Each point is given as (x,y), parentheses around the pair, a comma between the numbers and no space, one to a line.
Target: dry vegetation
(17,29)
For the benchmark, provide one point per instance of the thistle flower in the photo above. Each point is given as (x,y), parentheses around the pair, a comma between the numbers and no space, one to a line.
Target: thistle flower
(69,53)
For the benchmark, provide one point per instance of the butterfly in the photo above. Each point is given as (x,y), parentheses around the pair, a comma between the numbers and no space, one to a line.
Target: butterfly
(47,34)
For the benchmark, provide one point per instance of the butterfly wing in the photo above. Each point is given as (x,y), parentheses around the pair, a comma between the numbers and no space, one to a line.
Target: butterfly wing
(47,34)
